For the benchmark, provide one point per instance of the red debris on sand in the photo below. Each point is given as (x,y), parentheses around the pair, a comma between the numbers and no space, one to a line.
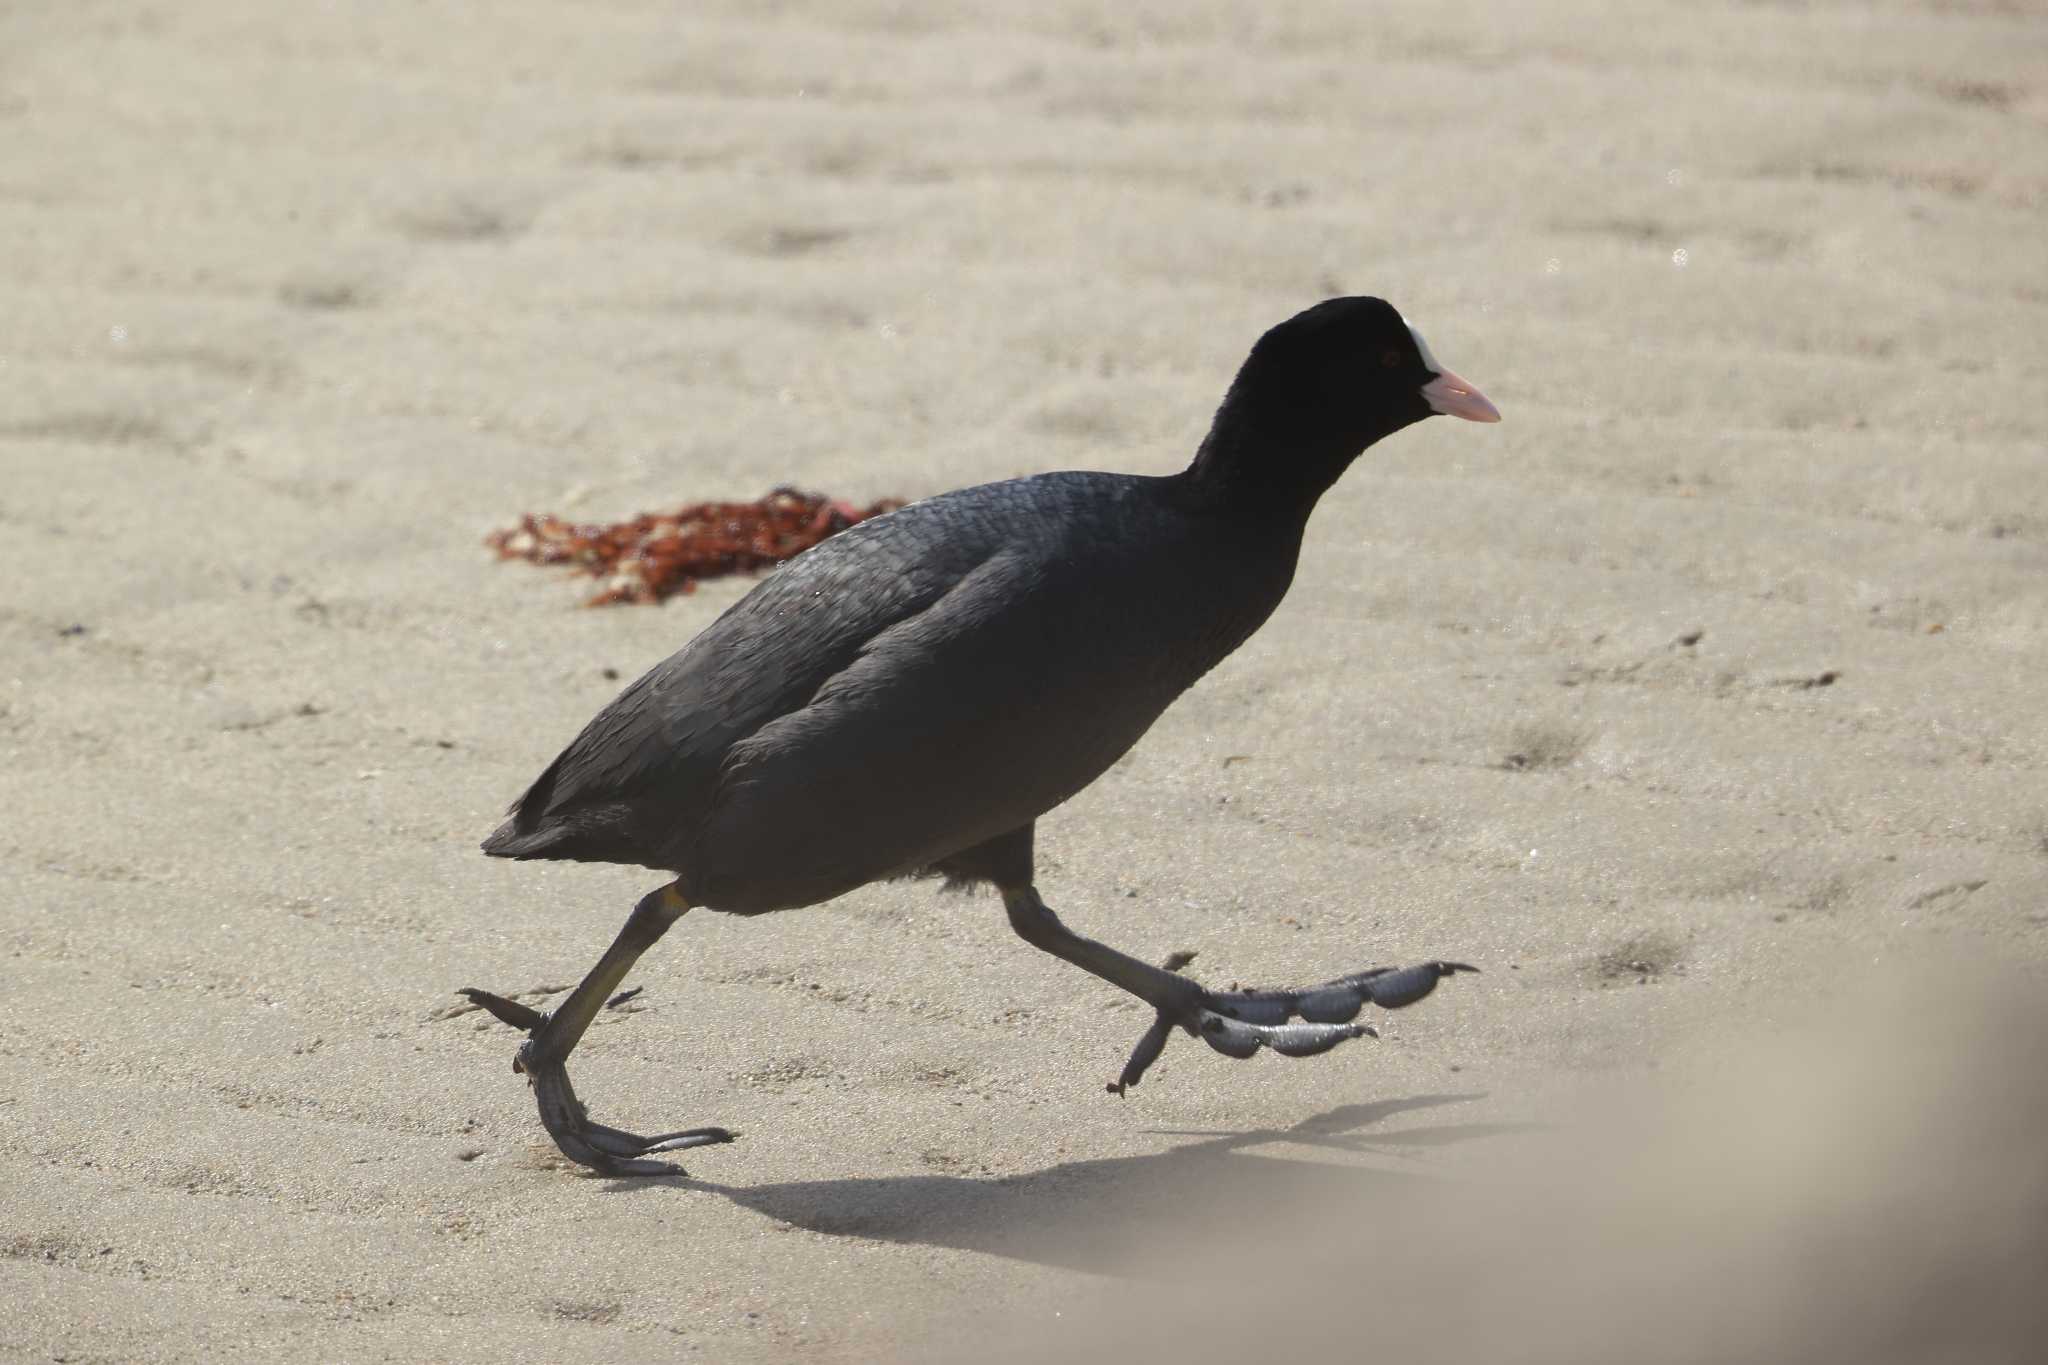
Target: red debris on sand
(659,554)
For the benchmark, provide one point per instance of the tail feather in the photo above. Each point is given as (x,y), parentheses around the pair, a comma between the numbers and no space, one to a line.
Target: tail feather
(526,831)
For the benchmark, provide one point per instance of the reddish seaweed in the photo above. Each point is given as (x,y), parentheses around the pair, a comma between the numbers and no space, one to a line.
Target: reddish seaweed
(658,554)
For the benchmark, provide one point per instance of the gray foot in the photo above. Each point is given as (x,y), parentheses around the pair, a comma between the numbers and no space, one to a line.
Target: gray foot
(1239,1023)
(612,1151)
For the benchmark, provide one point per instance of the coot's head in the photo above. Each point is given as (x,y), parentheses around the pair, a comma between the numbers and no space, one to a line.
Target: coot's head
(1321,387)
(1357,362)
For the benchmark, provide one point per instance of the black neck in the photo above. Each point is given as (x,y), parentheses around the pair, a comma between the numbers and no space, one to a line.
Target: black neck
(1273,464)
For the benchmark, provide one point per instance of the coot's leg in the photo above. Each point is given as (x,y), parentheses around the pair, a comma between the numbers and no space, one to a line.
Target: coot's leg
(1237,1023)
(552,1037)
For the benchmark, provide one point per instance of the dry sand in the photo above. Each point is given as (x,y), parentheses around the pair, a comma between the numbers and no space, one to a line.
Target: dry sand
(295,304)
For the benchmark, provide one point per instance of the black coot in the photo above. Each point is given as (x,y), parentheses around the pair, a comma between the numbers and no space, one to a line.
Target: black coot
(910,695)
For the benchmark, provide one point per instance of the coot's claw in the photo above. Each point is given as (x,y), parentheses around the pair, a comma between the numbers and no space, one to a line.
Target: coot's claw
(608,1150)
(1239,1023)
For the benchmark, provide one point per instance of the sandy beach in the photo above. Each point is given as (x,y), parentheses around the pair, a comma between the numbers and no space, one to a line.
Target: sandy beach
(1700,703)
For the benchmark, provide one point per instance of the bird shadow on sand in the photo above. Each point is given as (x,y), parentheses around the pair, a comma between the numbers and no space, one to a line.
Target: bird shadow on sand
(1102,1215)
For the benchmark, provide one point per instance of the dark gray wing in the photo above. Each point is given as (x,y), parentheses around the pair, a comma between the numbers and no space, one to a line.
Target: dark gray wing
(1018,687)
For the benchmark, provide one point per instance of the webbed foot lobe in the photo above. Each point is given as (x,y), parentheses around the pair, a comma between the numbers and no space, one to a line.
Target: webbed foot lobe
(1295,1023)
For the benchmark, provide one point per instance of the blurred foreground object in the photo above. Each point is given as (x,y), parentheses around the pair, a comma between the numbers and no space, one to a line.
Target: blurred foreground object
(1864,1182)
(659,554)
